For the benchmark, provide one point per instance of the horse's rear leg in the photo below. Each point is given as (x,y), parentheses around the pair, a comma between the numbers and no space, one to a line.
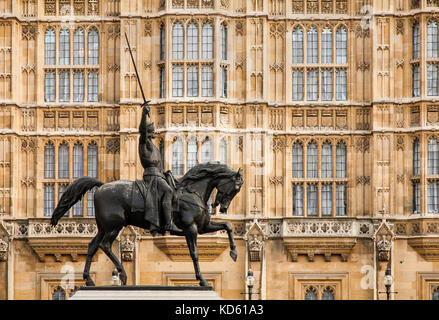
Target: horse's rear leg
(105,245)
(92,248)
(191,239)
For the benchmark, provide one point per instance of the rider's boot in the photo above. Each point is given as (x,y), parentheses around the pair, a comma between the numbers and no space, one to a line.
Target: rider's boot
(169,224)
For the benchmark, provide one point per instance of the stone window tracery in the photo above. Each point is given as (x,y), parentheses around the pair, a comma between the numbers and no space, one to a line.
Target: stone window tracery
(320,69)
(324,183)
(81,72)
(68,155)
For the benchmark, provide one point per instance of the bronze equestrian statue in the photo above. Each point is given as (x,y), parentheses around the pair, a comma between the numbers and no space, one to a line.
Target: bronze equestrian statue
(188,212)
(160,192)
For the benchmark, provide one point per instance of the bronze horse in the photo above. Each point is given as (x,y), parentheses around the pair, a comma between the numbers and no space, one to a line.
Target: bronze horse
(113,210)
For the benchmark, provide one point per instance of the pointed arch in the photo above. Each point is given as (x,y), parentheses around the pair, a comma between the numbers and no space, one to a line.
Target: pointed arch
(93,47)
(49,46)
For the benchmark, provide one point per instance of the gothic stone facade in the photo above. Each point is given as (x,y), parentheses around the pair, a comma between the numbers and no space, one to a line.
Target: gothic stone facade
(329,106)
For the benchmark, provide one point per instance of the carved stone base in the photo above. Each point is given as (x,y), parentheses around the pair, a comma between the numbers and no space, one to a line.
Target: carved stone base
(145,293)
(59,247)
(428,248)
(176,249)
(314,246)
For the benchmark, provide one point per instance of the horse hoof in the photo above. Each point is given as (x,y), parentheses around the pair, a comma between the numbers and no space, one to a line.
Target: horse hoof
(123,278)
(203,283)
(89,283)
(234,255)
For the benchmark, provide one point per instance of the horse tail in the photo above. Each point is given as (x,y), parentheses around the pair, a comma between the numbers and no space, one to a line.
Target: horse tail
(73,194)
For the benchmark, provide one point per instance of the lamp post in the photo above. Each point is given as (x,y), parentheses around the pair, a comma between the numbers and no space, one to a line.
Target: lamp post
(250,283)
(388,281)
(115,278)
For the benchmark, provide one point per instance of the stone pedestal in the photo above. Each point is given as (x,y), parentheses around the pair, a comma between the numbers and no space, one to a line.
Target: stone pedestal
(145,293)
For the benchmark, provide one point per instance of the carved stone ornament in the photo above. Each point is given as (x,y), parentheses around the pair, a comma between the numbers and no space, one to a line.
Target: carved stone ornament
(127,248)
(384,246)
(3,250)
(255,246)
(383,241)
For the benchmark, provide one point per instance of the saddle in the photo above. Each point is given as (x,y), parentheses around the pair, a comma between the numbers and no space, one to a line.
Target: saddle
(144,200)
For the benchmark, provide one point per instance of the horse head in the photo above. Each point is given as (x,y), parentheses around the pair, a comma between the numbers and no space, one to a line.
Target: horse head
(227,189)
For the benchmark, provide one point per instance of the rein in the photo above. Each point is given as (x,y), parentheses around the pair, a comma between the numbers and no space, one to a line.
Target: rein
(199,197)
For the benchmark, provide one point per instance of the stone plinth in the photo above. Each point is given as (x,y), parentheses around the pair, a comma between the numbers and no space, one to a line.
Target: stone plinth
(145,293)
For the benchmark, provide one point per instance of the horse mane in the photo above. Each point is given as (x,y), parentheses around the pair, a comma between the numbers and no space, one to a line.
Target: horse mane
(215,169)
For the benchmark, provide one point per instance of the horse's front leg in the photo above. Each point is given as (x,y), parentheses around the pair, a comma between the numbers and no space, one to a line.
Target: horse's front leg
(191,234)
(217,226)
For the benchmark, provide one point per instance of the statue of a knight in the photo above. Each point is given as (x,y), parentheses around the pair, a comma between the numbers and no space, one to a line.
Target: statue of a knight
(159,193)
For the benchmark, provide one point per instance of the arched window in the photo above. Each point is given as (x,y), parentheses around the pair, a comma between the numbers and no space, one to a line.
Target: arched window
(64,86)
(341,160)
(416,197)
(416,81)
(192,41)
(177,157)
(207,81)
(297,160)
(223,42)
(58,294)
(92,160)
(311,294)
(192,81)
(340,199)
(78,160)
(435,295)
(49,46)
(312,46)
(92,92)
(312,199)
(78,86)
(432,39)
(93,47)
(432,79)
(177,81)
(49,199)
(206,151)
(312,160)
(162,42)
(90,202)
(49,86)
(326,84)
(326,45)
(433,156)
(223,151)
(341,46)
(340,84)
(432,198)
(297,85)
(328,294)
(327,160)
(326,199)
(416,158)
(312,91)
(415,41)
(49,161)
(192,153)
(207,34)
(298,200)
(177,41)
(298,45)
(64,47)
(78,46)
(63,161)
